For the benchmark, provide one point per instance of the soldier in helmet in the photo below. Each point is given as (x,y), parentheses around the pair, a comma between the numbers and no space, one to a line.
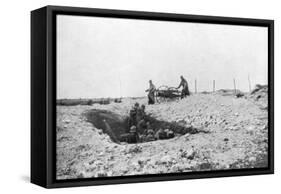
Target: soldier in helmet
(151,92)
(140,113)
(169,133)
(133,136)
(140,117)
(185,91)
(133,115)
(143,109)
(150,135)
(160,134)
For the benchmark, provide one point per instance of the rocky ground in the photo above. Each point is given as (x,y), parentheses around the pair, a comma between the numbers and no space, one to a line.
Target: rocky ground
(232,133)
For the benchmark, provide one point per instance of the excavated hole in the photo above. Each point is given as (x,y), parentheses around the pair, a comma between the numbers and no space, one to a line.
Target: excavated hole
(119,124)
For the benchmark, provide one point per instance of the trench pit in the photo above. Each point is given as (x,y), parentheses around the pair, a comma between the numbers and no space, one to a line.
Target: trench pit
(119,124)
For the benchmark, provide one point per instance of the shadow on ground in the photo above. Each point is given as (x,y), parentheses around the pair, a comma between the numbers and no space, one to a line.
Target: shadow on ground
(119,124)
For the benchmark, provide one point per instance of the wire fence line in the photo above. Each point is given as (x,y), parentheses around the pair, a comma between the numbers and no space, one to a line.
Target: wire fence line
(213,85)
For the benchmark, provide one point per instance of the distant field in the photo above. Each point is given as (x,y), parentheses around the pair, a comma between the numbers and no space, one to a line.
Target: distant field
(91,101)
(73,102)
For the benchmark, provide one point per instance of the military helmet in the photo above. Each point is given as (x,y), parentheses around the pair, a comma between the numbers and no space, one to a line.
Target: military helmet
(133,129)
(166,130)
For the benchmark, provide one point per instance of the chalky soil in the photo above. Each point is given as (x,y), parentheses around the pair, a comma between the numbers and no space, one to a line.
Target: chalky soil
(214,132)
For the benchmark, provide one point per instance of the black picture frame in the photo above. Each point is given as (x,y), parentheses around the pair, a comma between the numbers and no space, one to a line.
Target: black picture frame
(43,95)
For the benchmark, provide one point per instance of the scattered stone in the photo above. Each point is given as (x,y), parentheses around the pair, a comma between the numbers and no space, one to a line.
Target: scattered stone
(175,169)
(111,158)
(99,131)
(189,154)
(109,173)
(142,161)
(101,174)
(67,121)
(205,166)
(250,130)
(81,175)
(166,160)
(181,121)
(135,149)
(252,159)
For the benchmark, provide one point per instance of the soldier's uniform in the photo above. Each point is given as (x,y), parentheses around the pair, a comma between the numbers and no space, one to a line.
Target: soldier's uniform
(185,90)
(160,134)
(141,126)
(133,115)
(151,93)
(140,118)
(133,136)
(169,133)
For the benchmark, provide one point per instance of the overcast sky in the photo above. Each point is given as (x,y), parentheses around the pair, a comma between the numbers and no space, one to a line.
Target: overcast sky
(109,57)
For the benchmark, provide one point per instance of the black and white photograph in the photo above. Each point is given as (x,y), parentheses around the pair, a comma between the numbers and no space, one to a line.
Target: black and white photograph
(148,97)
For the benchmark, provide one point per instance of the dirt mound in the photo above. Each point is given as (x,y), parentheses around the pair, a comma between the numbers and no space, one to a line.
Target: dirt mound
(229,92)
(260,96)
(259,92)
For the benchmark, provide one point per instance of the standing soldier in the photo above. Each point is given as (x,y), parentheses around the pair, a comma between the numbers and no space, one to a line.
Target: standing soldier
(143,110)
(185,90)
(140,118)
(133,136)
(140,112)
(151,93)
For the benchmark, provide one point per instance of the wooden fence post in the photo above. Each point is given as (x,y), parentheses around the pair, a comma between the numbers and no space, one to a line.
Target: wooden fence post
(195,85)
(249,83)
(234,83)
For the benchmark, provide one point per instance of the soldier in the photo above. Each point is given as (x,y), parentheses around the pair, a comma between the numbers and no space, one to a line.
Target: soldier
(185,90)
(140,118)
(133,136)
(141,126)
(147,126)
(133,115)
(140,113)
(160,134)
(150,135)
(143,111)
(169,133)
(151,92)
